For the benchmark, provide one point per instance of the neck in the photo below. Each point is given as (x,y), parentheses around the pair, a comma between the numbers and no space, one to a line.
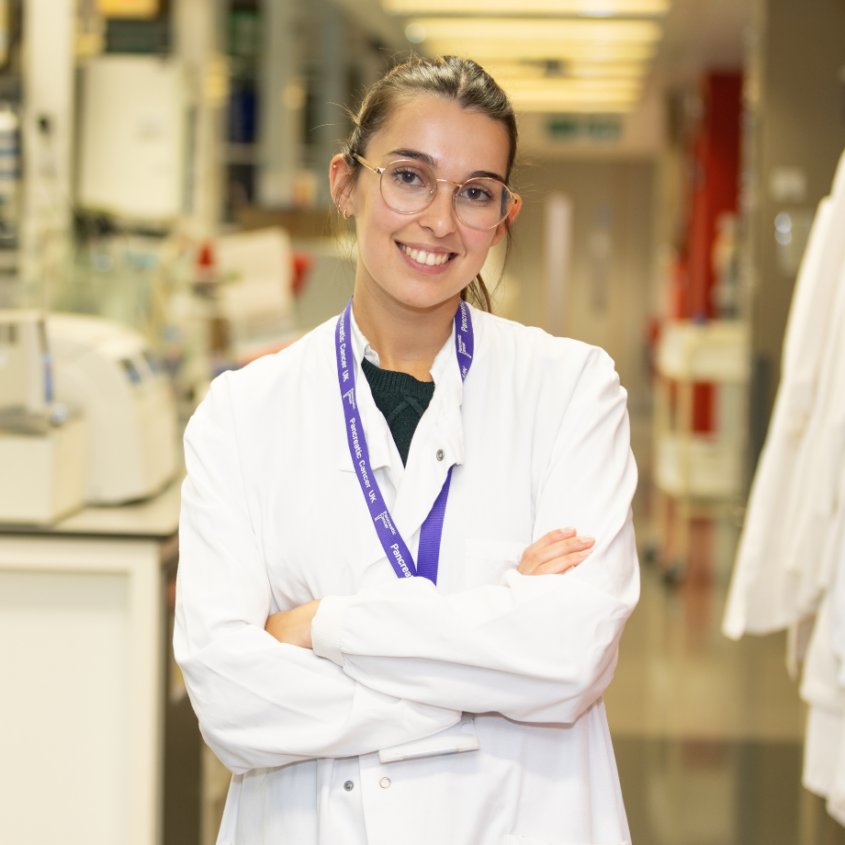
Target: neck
(406,339)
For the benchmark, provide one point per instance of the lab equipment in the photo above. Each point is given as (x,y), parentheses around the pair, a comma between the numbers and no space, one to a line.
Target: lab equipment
(43,445)
(256,296)
(134,115)
(109,371)
(25,387)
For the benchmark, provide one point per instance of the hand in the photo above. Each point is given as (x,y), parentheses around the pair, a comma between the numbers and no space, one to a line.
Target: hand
(556,552)
(293,626)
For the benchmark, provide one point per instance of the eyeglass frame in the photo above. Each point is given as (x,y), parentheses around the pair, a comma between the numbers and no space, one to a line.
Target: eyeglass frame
(380,171)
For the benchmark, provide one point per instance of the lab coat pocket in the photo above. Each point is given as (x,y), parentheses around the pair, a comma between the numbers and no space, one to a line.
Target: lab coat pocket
(487,561)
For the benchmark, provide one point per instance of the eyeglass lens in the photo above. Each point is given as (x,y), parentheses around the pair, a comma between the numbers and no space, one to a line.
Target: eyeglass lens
(481,203)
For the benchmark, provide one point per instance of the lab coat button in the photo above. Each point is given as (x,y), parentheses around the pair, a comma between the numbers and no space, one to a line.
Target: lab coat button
(439,455)
(384,783)
(349,786)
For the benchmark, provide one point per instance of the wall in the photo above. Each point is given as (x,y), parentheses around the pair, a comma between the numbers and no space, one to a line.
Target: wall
(608,293)
(797,119)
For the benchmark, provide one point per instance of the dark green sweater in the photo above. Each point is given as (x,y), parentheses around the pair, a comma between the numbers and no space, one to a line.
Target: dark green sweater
(402,399)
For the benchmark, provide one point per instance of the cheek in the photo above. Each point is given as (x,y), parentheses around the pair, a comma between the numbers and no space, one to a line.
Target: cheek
(478,243)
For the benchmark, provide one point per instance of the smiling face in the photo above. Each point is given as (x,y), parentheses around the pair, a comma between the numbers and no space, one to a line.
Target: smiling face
(423,260)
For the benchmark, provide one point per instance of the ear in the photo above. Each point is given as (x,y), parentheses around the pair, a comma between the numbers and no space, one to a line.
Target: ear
(502,228)
(340,181)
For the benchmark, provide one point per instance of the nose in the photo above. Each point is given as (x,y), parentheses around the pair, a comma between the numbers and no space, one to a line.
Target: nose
(440,217)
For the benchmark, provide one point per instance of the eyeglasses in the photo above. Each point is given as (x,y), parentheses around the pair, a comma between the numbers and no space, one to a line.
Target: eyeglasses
(409,187)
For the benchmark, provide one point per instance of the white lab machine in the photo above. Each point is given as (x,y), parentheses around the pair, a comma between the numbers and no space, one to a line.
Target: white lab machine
(108,370)
(43,446)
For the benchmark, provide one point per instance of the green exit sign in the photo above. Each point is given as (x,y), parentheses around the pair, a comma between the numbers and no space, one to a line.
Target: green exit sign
(589,128)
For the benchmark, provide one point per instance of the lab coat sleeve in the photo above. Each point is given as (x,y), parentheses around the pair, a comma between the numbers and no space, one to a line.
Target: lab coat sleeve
(533,648)
(260,703)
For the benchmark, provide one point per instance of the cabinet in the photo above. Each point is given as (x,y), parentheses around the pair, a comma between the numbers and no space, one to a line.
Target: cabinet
(86,662)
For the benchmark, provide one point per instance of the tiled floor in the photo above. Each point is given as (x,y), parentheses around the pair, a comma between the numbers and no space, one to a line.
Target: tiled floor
(708,732)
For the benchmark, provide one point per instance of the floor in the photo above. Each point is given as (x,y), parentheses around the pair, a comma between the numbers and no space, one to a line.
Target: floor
(708,732)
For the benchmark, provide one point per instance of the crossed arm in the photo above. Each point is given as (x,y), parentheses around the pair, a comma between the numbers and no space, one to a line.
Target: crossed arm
(553,554)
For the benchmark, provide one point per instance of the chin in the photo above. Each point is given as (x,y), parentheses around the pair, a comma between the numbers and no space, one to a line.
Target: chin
(426,297)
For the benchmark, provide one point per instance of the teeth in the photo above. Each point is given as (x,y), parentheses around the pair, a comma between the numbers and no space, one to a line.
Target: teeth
(430,259)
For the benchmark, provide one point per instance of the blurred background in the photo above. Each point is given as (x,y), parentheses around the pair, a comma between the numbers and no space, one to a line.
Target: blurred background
(165,216)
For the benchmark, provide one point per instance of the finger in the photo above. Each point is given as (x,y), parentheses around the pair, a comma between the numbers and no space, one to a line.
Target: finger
(528,560)
(531,560)
(552,537)
(563,564)
(563,548)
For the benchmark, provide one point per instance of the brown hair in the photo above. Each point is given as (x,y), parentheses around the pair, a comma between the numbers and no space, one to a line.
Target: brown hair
(451,77)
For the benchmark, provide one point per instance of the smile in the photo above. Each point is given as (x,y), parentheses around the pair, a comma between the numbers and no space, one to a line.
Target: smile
(430,259)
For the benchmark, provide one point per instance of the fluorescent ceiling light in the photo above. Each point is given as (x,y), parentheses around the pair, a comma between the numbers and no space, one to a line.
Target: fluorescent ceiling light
(541,30)
(600,70)
(547,101)
(574,87)
(487,51)
(585,8)
(563,107)
(539,69)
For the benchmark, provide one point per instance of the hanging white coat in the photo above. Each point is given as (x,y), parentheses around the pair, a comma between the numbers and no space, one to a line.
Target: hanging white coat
(765,593)
(273,517)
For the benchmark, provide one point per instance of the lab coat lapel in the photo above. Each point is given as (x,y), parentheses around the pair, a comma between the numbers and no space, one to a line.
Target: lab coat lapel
(379,440)
(419,483)
(439,430)
(384,456)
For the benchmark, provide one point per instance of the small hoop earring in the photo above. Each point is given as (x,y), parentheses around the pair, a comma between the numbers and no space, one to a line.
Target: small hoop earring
(346,215)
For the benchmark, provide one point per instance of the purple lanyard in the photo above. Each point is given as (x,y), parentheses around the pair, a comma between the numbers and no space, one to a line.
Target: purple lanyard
(432,529)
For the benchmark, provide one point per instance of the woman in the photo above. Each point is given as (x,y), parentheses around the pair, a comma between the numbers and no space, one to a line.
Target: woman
(462,705)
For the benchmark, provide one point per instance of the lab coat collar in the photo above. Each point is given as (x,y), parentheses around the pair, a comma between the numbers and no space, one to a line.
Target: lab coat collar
(443,417)
(379,439)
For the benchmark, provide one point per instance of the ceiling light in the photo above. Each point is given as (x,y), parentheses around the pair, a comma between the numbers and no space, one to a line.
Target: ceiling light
(544,101)
(579,87)
(584,95)
(586,8)
(488,51)
(544,29)
(540,69)
(415,33)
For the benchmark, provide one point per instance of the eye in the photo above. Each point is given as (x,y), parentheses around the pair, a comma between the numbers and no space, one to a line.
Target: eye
(407,177)
(476,194)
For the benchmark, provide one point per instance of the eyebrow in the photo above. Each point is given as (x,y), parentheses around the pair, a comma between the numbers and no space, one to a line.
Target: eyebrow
(425,158)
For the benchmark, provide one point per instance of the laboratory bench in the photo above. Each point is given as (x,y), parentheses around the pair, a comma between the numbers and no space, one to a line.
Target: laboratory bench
(98,739)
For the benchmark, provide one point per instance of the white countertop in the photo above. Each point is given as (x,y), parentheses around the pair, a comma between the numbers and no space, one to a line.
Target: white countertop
(155,518)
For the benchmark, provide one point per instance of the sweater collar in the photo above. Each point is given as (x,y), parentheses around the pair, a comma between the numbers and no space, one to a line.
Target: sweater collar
(441,427)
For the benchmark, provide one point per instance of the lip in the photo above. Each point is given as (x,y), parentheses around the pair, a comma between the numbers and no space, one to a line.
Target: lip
(424,268)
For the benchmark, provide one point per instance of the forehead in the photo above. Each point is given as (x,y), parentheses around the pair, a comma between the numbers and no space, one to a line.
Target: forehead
(459,140)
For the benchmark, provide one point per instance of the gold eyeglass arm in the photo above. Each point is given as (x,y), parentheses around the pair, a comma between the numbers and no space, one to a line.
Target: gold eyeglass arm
(377,170)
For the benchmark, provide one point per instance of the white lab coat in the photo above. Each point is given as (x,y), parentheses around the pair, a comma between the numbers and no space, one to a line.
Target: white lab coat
(812,497)
(766,592)
(273,516)
(791,559)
